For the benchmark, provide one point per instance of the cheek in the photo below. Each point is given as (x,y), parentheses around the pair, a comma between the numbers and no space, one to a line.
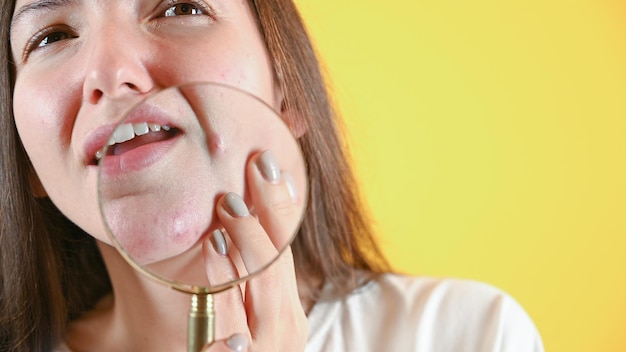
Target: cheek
(28,116)
(245,73)
(35,130)
(41,132)
(42,115)
(254,74)
(239,62)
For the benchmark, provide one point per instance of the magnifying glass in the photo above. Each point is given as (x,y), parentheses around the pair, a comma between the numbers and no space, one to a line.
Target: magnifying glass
(161,172)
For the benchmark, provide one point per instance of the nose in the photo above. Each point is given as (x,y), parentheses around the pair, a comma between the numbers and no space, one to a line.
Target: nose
(115,64)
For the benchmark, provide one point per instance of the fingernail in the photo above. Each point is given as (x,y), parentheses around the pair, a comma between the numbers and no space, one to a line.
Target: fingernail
(237,342)
(291,185)
(268,166)
(235,205)
(219,242)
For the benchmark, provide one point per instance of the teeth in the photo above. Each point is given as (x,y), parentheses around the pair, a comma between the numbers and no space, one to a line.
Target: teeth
(123,133)
(99,154)
(140,128)
(126,132)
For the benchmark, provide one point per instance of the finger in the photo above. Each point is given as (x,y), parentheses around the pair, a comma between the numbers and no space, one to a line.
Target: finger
(229,308)
(237,342)
(275,206)
(274,197)
(282,308)
(272,295)
(262,304)
(246,233)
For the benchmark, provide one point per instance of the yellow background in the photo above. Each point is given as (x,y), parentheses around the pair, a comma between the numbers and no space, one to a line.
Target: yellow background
(490,139)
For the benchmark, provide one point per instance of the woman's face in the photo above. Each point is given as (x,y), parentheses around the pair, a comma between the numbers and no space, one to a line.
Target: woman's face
(79,63)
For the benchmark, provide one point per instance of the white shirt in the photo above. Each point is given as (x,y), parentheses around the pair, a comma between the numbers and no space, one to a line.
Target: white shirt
(400,313)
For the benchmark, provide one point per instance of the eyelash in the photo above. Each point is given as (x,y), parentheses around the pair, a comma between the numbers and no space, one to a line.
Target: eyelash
(36,41)
(168,5)
(201,6)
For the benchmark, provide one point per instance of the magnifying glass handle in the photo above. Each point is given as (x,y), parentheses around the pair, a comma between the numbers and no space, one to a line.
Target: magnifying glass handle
(201,324)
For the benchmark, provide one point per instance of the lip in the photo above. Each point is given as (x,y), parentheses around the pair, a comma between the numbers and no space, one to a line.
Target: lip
(136,159)
(99,138)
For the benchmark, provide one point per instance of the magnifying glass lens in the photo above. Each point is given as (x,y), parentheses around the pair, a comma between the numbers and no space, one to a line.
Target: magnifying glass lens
(165,164)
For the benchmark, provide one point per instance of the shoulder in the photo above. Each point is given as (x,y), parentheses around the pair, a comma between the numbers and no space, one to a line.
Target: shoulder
(473,313)
(429,313)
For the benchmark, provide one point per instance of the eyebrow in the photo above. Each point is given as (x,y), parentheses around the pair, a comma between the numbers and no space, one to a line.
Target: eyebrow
(36,6)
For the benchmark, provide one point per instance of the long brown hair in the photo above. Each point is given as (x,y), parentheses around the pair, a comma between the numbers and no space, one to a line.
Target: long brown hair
(51,271)
(336,237)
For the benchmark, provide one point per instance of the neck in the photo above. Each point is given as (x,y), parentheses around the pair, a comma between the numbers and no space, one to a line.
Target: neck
(140,315)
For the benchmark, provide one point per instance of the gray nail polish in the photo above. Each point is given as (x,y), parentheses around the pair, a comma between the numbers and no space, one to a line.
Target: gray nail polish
(237,342)
(235,205)
(219,242)
(268,166)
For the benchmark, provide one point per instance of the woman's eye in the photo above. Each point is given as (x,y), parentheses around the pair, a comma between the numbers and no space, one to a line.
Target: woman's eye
(52,38)
(182,10)
(45,38)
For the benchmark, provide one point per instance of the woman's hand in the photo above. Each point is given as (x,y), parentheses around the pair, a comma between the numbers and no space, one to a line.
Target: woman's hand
(265,313)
